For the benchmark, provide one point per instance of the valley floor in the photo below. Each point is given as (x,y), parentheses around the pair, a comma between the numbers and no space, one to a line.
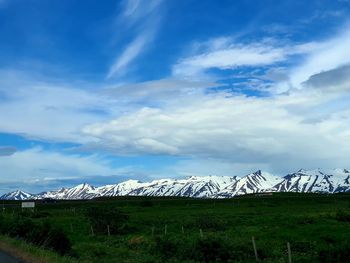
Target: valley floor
(136,229)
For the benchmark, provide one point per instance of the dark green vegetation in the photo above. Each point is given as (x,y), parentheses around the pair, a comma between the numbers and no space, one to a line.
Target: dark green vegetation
(187,230)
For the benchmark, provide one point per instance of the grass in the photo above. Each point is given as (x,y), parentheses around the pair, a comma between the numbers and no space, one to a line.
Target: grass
(30,253)
(317,227)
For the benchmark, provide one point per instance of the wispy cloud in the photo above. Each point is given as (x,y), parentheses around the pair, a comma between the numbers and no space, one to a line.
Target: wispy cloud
(137,9)
(223,53)
(143,18)
(128,55)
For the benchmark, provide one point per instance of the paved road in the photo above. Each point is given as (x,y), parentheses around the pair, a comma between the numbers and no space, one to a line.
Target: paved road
(6,258)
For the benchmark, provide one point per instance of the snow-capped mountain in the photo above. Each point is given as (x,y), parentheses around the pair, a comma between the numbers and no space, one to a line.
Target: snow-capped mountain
(16,195)
(326,181)
(81,191)
(251,183)
(124,188)
(194,186)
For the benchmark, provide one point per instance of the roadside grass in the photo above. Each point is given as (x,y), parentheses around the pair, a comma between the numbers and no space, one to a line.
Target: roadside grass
(30,253)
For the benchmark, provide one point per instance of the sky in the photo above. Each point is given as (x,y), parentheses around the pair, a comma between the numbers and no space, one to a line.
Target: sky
(105,91)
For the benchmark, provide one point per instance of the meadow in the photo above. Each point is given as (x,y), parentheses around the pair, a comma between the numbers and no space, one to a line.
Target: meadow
(149,229)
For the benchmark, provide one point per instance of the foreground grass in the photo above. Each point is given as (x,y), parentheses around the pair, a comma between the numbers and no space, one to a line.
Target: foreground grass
(187,230)
(30,253)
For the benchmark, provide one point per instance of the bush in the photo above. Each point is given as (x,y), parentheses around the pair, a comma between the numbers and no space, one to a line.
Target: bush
(38,233)
(58,241)
(342,216)
(101,217)
(167,247)
(21,227)
(35,214)
(210,223)
(146,203)
(334,254)
(306,220)
(212,249)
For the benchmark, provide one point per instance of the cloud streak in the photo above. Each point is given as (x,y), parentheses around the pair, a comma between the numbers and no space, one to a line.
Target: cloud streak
(132,51)
(223,53)
(143,18)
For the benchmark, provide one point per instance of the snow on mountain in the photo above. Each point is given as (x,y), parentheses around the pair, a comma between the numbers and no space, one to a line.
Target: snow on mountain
(59,194)
(206,186)
(326,181)
(251,183)
(16,195)
(193,186)
(82,191)
(120,189)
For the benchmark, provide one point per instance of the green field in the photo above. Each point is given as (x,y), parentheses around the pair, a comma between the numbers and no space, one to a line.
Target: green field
(192,230)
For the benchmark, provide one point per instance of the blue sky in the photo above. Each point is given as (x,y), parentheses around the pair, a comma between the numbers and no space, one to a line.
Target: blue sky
(100,92)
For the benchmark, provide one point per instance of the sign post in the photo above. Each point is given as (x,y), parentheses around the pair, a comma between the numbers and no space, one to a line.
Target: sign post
(28,205)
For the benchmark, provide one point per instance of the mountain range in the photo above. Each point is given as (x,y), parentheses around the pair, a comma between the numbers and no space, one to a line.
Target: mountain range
(315,181)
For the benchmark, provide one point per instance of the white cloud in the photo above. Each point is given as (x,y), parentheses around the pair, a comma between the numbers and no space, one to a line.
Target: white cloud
(318,58)
(237,129)
(223,53)
(326,55)
(160,91)
(49,110)
(38,164)
(305,127)
(57,111)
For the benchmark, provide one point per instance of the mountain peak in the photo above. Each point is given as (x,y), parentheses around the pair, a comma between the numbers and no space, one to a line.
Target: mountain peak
(16,195)
(84,186)
(258,172)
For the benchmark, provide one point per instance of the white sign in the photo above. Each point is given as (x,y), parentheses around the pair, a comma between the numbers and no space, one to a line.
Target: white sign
(28,204)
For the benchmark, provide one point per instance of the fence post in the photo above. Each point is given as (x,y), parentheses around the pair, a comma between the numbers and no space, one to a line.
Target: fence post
(289,253)
(165,229)
(255,250)
(108,231)
(182,230)
(92,231)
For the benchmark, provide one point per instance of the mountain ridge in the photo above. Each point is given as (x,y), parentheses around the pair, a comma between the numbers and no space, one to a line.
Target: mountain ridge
(315,181)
